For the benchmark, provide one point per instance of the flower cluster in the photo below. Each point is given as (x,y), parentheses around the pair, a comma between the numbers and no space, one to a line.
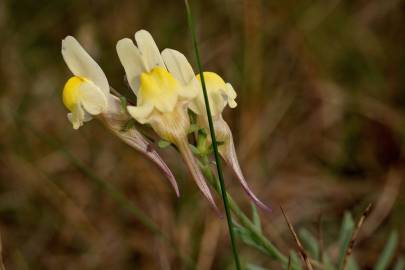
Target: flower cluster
(167,92)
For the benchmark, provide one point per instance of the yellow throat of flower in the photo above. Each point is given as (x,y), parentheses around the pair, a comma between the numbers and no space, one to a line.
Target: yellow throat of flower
(71,92)
(219,94)
(159,88)
(212,80)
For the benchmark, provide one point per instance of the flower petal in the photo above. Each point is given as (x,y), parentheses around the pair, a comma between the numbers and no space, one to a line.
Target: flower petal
(92,98)
(140,113)
(149,50)
(81,64)
(231,95)
(132,61)
(178,65)
(217,94)
(159,88)
(77,116)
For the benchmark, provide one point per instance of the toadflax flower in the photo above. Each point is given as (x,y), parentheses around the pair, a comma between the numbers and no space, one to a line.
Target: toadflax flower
(87,95)
(221,94)
(164,84)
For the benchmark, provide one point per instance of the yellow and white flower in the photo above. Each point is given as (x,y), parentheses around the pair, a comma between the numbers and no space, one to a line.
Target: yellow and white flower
(86,93)
(164,84)
(221,94)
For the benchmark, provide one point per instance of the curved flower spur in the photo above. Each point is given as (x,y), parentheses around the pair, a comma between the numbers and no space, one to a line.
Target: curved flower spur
(221,94)
(87,95)
(165,85)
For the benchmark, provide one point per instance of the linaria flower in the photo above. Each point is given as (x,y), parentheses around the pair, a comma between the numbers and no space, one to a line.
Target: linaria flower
(164,84)
(87,95)
(221,94)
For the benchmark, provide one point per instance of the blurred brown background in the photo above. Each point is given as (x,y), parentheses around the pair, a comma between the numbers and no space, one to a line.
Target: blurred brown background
(320,129)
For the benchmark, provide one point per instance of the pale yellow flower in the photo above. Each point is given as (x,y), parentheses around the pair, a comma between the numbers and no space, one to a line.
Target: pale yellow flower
(86,93)
(164,84)
(221,94)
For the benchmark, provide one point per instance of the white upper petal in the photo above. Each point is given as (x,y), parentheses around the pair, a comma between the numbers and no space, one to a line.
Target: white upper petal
(132,62)
(81,64)
(178,65)
(94,101)
(149,49)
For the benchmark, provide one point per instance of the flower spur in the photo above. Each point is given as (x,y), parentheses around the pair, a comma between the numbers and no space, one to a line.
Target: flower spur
(221,94)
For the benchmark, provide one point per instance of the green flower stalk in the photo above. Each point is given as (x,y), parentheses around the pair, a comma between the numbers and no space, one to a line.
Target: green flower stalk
(221,95)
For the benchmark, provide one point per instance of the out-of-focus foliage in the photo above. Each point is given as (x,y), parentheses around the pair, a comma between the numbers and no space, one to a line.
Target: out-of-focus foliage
(320,129)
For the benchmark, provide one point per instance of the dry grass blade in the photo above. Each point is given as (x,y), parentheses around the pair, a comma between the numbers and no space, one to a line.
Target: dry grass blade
(355,234)
(301,250)
(289,263)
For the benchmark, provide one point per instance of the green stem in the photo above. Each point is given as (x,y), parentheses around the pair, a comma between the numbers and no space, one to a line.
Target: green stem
(245,221)
(214,141)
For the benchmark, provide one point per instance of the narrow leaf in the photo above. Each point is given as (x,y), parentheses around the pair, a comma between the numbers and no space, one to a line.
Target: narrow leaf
(248,238)
(345,236)
(327,263)
(388,252)
(295,261)
(310,243)
(256,217)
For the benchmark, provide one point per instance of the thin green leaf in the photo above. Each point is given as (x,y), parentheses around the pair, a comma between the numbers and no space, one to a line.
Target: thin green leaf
(400,264)
(163,144)
(256,218)
(388,252)
(327,263)
(310,243)
(295,261)
(345,236)
(248,238)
